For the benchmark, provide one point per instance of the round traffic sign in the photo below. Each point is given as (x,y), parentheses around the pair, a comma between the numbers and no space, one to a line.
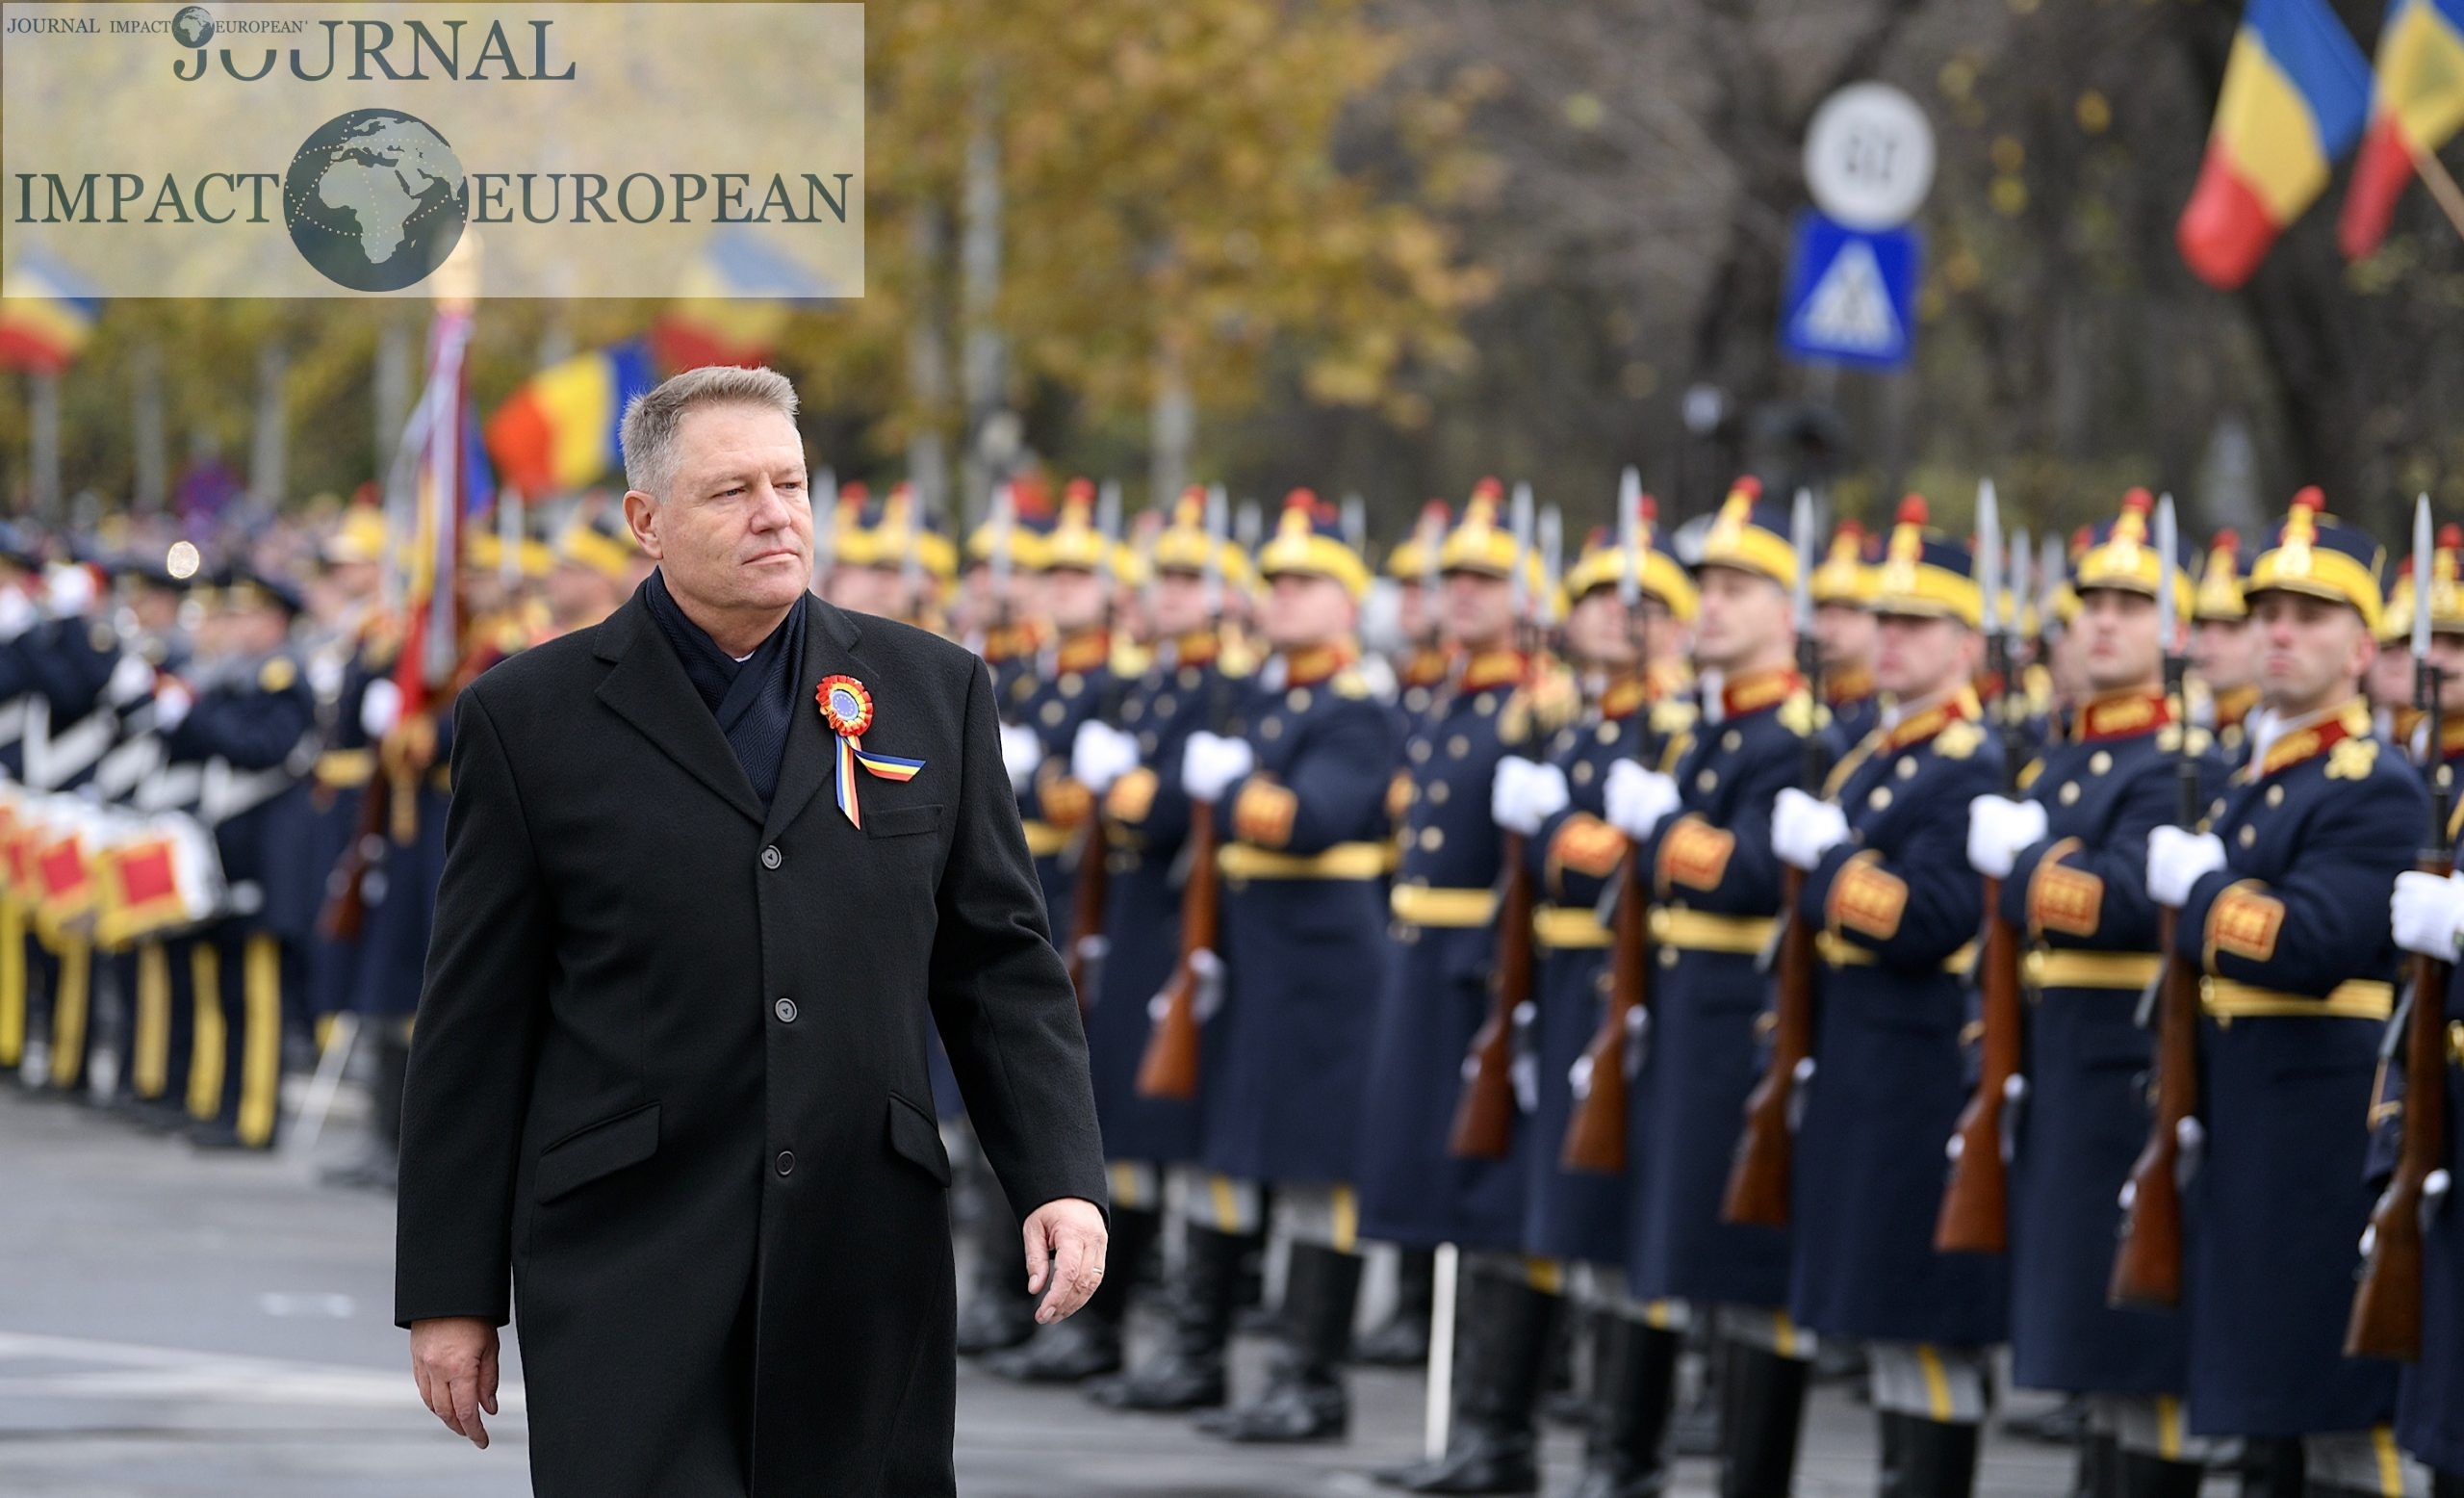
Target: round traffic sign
(1869,156)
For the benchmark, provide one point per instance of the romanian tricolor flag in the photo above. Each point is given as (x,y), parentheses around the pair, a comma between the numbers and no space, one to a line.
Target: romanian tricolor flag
(558,432)
(2297,93)
(734,303)
(2420,104)
(45,317)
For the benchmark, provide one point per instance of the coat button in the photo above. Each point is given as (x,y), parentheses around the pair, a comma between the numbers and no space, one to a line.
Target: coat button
(786,1010)
(771,857)
(787,1161)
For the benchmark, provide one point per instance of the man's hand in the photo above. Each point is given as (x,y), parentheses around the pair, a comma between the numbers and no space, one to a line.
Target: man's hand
(455,1359)
(1065,1242)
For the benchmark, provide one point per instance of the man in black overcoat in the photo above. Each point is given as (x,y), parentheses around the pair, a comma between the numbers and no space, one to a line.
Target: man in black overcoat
(713,869)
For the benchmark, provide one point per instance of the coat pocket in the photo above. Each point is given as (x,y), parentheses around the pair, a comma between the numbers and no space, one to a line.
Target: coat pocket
(902,821)
(913,1133)
(601,1149)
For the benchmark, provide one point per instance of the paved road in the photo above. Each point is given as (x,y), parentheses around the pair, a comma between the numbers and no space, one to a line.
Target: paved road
(206,1327)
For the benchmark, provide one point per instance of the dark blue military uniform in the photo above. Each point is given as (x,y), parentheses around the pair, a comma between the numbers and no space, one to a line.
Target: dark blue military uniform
(2293,933)
(1147,823)
(1898,906)
(1716,889)
(1576,857)
(1053,806)
(1854,708)
(1303,929)
(1413,1190)
(2430,1411)
(2080,898)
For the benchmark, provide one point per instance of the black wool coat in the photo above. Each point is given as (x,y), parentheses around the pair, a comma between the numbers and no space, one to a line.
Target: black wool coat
(669,1076)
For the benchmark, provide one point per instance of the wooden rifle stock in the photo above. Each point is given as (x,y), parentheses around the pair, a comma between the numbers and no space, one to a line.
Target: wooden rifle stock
(2147,1268)
(1485,1114)
(1087,910)
(1976,1203)
(345,910)
(1168,1070)
(1596,1138)
(2387,1306)
(1758,1190)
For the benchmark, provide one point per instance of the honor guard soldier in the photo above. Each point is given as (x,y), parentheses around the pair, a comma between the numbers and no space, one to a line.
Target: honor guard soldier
(1843,629)
(20,613)
(1421,665)
(2428,911)
(895,563)
(1296,791)
(2072,861)
(593,573)
(1630,658)
(1702,832)
(1003,595)
(1897,909)
(1075,677)
(2283,905)
(1416,1190)
(250,721)
(1133,768)
(2225,649)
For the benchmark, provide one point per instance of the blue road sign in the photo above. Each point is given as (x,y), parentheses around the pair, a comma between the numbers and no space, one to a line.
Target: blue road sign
(1851,295)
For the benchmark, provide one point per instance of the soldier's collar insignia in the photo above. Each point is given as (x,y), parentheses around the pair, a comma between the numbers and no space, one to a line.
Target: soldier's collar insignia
(1622,696)
(1089,649)
(1851,684)
(1197,648)
(1928,721)
(1315,663)
(1756,691)
(847,706)
(2313,736)
(2122,714)
(1492,668)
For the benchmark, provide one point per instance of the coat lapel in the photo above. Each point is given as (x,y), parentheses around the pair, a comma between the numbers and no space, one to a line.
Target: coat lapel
(829,643)
(648,689)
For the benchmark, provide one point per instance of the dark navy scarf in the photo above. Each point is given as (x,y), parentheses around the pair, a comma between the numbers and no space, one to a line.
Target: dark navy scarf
(754,699)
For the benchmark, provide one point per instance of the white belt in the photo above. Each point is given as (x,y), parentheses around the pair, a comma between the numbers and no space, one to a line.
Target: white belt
(64,754)
(12,721)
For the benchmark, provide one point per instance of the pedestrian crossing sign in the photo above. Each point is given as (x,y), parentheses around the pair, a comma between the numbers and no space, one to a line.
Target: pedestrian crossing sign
(1851,294)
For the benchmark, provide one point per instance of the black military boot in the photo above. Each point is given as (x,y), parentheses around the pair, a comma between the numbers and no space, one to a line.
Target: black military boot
(2447,1484)
(1401,1339)
(999,1313)
(1495,1446)
(1763,1395)
(1088,1345)
(1937,1459)
(1304,1399)
(2142,1476)
(1634,1376)
(2273,1468)
(2100,1473)
(1187,1373)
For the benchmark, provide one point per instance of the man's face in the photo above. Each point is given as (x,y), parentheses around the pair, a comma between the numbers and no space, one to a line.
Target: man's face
(1918,655)
(1074,599)
(2117,640)
(2225,653)
(735,532)
(1597,632)
(2447,653)
(1843,637)
(1411,610)
(1742,617)
(2390,682)
(255,629)
(1479,610)
(1304,608)
(353,580)
(2313,653)
(1179,604)
(866,590)
(156,608)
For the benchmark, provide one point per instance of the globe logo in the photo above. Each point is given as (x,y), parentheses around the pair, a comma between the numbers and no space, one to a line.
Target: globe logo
(194,26)
(376,199)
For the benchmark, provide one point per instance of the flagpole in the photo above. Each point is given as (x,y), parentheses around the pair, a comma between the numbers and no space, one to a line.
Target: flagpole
(2441,183)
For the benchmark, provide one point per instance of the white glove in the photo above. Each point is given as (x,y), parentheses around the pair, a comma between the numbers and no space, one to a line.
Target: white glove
(1100,754)
(132,679)
(1526,793)
(171,704)
(1803,829)
(1210,763)
(1021,751)
(1638,800)
(1997,829)
(17,613)
(2427,913)
(69,590)
(381,707)
(2176,858)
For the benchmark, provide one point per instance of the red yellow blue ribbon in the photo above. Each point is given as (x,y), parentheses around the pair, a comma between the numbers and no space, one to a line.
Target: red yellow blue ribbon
(848,709)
